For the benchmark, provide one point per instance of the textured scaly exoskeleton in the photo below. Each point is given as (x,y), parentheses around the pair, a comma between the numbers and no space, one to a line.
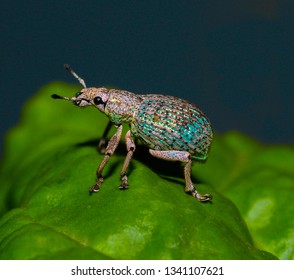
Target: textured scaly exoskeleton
(172,128)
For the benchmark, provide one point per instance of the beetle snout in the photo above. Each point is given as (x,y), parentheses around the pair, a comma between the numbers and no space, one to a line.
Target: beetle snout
(81,102)
(77,102)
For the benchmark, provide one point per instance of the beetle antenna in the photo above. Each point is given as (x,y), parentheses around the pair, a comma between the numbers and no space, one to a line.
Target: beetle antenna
(81,81)
(56,96)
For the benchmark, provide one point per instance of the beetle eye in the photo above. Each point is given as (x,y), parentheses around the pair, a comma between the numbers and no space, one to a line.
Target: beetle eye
(98,100)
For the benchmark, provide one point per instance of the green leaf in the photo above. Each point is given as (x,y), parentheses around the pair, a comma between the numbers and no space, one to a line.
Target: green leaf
(259,179)
(50,163)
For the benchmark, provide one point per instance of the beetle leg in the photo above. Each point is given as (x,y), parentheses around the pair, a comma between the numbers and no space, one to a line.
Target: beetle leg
(101,145)
(130,144)
(111,147)
(183,157)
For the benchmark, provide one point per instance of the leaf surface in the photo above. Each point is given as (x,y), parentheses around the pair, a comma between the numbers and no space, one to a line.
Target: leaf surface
(47,212)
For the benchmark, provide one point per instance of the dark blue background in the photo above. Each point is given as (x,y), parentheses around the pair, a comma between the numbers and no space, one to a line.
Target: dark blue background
(234,59)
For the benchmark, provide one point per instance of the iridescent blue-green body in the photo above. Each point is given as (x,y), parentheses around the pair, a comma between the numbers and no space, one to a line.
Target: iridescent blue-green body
(166,122)
(162,122)
(172,128)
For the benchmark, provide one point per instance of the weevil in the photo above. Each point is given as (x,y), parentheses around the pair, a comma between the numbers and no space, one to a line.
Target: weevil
(172,128)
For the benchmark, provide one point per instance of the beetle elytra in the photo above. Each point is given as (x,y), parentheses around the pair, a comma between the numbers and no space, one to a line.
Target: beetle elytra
(172,128)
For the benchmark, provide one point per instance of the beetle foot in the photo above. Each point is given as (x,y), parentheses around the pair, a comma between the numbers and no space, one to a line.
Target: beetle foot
(124,183)
(123,187)
(97,185)
(202,198)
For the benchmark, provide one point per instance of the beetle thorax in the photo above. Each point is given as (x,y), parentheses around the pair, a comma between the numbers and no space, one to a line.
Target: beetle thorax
(121,106)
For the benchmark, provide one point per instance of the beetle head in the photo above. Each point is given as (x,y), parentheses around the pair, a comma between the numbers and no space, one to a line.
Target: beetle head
(87,96)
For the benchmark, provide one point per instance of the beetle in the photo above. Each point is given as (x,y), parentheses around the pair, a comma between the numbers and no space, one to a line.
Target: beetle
(172,128)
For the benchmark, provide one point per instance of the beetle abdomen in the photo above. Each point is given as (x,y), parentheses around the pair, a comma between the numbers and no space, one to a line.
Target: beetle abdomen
(166,122)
